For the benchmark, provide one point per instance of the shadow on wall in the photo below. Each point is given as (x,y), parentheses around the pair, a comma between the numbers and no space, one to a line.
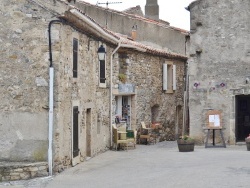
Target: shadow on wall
(29,150)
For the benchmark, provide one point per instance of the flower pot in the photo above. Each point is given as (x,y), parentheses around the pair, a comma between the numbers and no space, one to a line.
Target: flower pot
(248,144)
(185,146)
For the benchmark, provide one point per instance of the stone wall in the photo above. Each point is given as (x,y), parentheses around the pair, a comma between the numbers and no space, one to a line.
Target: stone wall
(84,92)
(24,81)
(22,171)
(145,72)
(219,61)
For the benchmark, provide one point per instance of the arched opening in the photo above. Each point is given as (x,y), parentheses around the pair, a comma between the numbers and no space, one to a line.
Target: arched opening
(155,113)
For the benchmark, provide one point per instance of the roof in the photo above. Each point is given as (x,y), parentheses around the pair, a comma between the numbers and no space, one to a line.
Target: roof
(160,23)
(85,23)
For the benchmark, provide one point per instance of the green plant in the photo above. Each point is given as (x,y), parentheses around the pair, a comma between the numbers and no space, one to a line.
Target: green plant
(185,137)
(122,77)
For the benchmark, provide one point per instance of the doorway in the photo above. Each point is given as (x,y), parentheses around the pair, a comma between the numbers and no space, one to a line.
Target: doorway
(242,119)
(88,132)
(123,109)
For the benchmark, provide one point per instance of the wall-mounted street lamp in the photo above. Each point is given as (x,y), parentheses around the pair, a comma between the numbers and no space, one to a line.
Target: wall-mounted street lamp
(101,53)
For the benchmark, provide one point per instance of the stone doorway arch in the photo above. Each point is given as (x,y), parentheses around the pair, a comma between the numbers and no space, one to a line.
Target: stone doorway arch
(155,113)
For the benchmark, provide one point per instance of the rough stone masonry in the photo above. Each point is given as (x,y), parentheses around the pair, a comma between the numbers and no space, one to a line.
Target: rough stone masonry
(219,65)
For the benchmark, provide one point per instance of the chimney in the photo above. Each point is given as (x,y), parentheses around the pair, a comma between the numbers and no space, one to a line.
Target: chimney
(134,33)
(152,10)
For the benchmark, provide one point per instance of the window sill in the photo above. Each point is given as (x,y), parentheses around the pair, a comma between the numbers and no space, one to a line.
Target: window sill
(102,85)
(169,91)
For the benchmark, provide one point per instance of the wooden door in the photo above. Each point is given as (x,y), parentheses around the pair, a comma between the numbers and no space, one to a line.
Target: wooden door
(75,132)
(88,132)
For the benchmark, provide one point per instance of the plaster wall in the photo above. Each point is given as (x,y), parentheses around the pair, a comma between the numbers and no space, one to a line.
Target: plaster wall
(148,31)
(219,61)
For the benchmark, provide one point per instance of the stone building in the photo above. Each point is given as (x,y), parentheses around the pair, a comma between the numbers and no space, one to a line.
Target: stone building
(219,67)
(68,119)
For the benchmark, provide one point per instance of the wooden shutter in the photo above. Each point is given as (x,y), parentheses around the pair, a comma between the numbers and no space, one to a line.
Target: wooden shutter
(75,57)
(102,71)
(75,131)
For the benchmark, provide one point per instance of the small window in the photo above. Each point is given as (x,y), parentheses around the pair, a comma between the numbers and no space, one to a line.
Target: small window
(75,57)
(169,77)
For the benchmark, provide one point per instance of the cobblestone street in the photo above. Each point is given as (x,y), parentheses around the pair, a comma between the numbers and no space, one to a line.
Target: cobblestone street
(160,165)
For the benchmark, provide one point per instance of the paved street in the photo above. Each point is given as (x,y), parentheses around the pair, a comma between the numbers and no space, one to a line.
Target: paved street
(157,166)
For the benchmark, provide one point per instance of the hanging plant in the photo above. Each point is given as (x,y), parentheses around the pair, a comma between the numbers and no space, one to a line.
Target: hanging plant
(122,77)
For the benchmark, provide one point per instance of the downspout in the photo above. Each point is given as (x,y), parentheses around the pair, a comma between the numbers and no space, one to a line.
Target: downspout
(51,101)
(111,92)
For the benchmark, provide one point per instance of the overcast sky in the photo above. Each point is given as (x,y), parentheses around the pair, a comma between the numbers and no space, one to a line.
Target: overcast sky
(172,11)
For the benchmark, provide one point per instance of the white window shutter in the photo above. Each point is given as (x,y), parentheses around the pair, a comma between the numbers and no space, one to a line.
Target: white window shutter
(165,77)
(174,77)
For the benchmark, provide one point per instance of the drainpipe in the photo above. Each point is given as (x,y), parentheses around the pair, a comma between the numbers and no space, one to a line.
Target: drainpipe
(51,101)
(111,92)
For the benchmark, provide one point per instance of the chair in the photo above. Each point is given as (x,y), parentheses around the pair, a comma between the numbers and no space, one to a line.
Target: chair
(145,133)
(117,140)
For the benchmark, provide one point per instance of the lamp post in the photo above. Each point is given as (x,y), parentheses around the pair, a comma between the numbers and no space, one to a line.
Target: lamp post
(101,53)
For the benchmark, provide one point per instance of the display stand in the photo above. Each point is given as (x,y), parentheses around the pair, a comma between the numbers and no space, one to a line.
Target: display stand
(214,123)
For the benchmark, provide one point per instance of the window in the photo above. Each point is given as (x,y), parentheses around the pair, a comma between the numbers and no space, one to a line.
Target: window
(75,57)
(102,72)
(169,77)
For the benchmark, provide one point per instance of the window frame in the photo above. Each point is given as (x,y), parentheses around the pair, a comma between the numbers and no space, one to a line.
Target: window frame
(169,77)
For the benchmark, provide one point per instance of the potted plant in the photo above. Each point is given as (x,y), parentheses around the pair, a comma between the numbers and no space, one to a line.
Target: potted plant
(185,144)
(248,142)
(122,78)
